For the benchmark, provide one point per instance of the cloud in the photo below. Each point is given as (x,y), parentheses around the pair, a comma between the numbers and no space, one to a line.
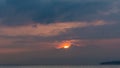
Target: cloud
(46,30)
(30,30)
(113,8)
(49,11)
(12,50)
(93,50)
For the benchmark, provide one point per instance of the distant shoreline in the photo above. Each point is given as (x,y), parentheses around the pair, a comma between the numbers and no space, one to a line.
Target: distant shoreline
(110,63)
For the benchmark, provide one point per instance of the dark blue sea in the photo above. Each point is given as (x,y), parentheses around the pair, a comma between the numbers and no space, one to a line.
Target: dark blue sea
(82,66)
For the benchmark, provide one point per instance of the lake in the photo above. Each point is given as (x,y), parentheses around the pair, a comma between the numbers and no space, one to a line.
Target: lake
(82,66)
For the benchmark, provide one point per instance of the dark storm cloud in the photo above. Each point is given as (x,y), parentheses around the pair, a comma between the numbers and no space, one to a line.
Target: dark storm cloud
(17,12)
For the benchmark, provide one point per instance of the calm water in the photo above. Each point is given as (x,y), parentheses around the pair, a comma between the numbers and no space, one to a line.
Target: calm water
(97,66)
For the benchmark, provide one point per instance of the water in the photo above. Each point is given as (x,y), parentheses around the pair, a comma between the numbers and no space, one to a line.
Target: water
(96,66)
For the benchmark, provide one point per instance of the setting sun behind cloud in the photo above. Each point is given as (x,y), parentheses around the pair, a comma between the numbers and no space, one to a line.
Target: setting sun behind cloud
(64,45)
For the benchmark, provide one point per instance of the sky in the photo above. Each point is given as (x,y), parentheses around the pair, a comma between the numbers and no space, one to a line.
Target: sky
(37,31)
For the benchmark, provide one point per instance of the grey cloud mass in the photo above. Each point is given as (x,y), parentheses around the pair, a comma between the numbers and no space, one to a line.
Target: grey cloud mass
(20,12)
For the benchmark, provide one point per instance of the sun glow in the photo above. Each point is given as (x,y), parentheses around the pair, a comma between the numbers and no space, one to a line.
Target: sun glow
(65,45)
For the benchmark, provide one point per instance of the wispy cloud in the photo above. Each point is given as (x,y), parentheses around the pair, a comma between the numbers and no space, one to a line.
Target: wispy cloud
(46,30)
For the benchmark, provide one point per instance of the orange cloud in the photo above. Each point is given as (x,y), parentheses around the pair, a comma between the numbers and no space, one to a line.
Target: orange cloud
(12,50)
(107,43)
(65,44)
(45,30)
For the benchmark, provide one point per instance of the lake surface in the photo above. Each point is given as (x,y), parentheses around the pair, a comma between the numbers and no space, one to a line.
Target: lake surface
(91,66)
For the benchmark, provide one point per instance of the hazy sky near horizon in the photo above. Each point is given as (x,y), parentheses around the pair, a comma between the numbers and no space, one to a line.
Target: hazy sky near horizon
(31,31)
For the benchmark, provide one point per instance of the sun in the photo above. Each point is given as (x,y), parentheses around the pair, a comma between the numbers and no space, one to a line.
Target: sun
(64,45)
